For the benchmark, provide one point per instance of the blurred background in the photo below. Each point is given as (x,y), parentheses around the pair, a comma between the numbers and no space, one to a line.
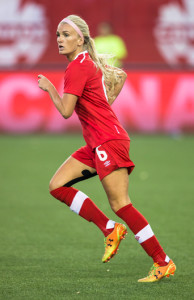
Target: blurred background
(153,41)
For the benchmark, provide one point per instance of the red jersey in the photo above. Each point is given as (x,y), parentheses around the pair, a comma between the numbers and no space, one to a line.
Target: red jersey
(99,122)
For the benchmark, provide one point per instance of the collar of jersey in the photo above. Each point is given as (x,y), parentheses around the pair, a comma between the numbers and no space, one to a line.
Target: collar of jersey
(84,52)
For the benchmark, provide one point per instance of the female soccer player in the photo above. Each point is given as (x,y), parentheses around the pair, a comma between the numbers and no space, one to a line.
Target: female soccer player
(90,87)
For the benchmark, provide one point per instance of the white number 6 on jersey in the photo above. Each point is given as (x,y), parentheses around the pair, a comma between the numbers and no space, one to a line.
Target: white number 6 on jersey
(101,154)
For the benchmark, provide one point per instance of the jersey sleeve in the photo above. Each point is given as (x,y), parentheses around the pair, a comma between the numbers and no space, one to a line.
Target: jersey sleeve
(75,79)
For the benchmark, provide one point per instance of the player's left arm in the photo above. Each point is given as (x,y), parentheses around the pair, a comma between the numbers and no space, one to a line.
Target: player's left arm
(65,104)
(114,92)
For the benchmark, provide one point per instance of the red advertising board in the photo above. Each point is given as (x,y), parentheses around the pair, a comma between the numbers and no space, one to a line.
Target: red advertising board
(149,102)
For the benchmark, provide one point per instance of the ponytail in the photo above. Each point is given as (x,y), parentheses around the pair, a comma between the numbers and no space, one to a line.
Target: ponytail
(110,74)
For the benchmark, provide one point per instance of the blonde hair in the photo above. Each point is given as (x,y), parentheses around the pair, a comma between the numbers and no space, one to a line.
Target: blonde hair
(110,74)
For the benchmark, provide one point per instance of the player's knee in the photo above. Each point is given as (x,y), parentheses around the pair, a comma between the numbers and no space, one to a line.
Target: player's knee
(118,203)
(114,203)
(114,207)
(56,183)
(53,185)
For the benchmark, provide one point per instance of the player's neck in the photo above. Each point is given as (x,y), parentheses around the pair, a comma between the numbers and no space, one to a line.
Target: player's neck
(73,55)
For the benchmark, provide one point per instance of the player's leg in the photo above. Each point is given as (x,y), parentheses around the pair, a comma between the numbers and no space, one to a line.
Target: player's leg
(113,165)
(70,172)
(116,187)
(105,164)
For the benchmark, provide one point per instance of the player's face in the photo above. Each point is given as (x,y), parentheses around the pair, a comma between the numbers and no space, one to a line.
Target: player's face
(69,42)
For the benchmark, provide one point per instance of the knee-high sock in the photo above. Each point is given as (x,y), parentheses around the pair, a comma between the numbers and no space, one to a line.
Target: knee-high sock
(84,206)
(143,233)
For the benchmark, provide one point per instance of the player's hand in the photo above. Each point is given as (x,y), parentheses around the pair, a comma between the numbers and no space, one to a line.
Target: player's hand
(44,83)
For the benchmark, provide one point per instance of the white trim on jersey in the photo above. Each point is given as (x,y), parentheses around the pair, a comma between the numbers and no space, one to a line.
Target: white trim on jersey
(104,88)
(84,53)
(144,234)
(83,58)
(78,201)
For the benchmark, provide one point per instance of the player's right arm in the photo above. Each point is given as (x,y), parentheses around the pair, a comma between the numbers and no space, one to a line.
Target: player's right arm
(65,104)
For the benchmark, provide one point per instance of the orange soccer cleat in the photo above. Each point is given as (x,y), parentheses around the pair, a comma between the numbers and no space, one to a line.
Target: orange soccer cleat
(158,272)
(113,240)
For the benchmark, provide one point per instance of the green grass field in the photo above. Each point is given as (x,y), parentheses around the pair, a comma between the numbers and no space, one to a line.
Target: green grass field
(48,252)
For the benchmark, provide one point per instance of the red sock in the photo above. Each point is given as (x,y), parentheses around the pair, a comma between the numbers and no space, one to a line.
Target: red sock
(84,206)
(143,233)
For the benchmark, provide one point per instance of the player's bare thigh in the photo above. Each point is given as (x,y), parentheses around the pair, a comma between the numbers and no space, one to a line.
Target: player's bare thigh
(68,171)
(116,187)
